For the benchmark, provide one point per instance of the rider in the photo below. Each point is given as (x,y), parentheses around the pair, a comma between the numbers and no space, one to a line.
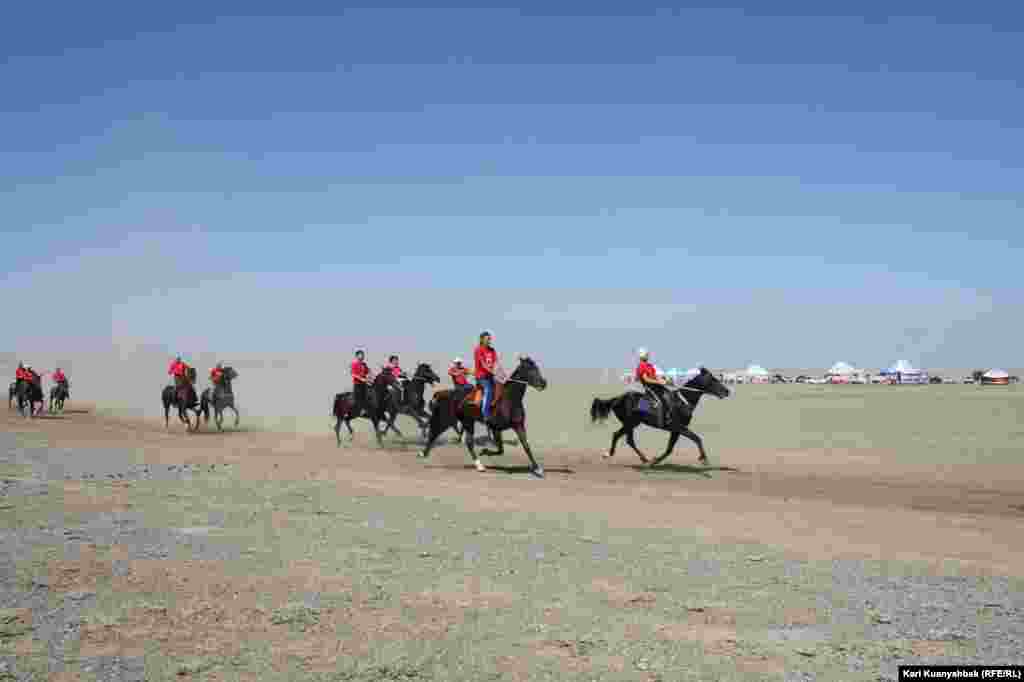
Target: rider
(360,382)
(217,373)
(458,373)
(21,374)
(656,386)
(400,377)
(60,379)
(178,370)
(485,359)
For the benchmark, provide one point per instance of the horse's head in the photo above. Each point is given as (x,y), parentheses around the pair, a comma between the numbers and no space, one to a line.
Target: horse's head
(230,373)
(529,371)
(709,383)
(425,372)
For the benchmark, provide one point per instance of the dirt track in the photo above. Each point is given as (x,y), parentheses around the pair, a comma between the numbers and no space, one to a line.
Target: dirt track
(275,556)
(820,507)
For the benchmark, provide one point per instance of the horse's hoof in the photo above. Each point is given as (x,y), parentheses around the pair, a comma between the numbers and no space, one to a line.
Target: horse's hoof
(480,466)
(608,454)
(423,454)
(538,472)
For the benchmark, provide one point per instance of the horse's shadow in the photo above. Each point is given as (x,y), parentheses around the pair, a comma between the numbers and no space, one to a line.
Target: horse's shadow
(519,469)
(670,468)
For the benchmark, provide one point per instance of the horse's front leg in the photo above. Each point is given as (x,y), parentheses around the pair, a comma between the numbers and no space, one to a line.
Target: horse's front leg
(672,439)
(703,459)
(536,469)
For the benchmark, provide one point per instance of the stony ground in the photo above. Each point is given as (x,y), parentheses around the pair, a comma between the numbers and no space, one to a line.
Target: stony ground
(129,553)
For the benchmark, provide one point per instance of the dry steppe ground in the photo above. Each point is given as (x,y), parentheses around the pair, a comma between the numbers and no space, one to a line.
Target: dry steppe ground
(839,532)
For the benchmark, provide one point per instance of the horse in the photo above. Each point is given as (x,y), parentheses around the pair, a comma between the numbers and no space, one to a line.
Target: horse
(29,393)
(12,393)
(634,408)
(221,398)
(344,410)
(412,402)
(184,398)
(58,394)
(451,407)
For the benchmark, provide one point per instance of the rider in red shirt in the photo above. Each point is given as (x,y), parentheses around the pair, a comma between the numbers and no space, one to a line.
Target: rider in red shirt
(58,376)
(22,374)
(217,373)
(360,383)
(400,377)
(458,374)
(485,359)
(178,370)
(647,375)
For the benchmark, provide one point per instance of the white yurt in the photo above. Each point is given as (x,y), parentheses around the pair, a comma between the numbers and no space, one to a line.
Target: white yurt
(756,374)
(842,373)
(904,373)
(995,377)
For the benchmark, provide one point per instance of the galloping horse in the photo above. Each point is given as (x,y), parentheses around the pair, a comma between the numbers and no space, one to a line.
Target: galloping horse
(29,393)
(450,407)
(413,403)
(184,398)
(221,397)
(634,408)
(58,394)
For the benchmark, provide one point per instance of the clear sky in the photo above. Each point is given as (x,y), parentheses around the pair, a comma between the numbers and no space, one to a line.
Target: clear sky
(722,184)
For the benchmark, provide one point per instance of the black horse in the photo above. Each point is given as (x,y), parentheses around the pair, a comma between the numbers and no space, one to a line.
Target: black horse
(634,408)
(29,393)
(58,394)
(410,401)
(460,406)
(378,409)
(184,398)
(220,397)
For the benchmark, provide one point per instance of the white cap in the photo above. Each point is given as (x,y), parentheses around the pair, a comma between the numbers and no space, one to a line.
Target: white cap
(642,352)
(458,360)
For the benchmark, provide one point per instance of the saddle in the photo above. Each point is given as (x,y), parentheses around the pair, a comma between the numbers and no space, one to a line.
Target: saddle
(474,401)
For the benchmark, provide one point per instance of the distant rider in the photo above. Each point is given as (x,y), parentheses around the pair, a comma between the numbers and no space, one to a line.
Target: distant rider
(361,384)
(178,370)
(217,374)
(61,380)
(400,378)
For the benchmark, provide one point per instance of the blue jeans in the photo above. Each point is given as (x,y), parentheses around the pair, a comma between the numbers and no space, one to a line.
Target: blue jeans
(488,386)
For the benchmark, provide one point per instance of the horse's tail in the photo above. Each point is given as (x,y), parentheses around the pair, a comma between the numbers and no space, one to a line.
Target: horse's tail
(600,409)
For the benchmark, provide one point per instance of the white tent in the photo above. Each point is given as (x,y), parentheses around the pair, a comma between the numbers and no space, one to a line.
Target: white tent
(842,369)
(757,375)
(995,376)
(907,373)
(903,367)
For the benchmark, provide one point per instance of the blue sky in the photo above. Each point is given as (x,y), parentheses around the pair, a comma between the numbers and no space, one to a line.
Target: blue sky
(721,184)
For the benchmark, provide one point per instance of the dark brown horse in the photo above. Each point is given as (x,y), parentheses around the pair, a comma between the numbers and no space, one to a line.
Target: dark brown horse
(28,394)
(183,396)
(378,409)
(634,408)
(450,407)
